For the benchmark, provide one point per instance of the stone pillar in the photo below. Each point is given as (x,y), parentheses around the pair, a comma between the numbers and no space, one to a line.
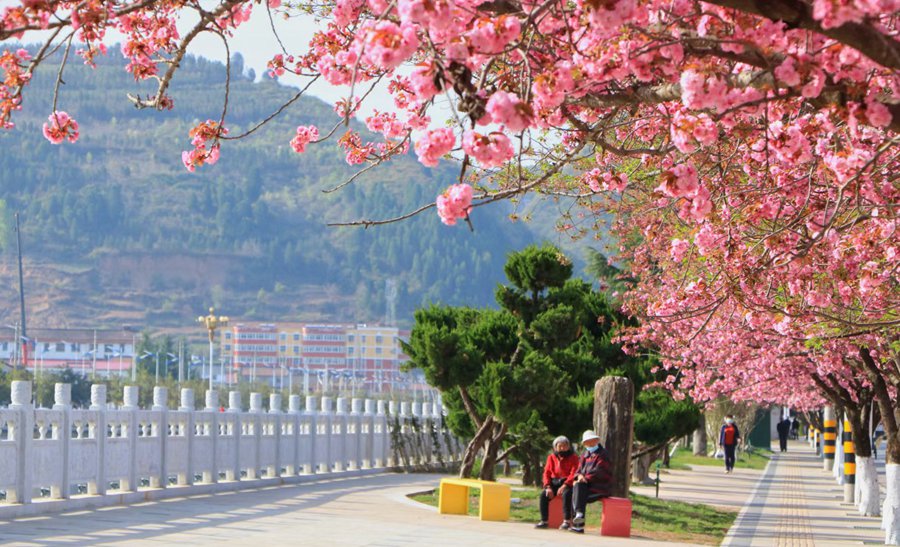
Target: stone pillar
(131,400)
(161,428)
(233,472)
(212,400)
(256,409)
(20,395)
(97,487)
(187,399)
(614,423)
(187,406)
(274,470)
(212,407)
(234,401)
(367,444)
(699,441)
(326,420)
(849,463)
(62,402)
(311,414)
(294,411)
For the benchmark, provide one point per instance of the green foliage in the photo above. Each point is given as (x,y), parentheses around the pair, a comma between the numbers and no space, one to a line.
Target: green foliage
(662,520)
(658,417)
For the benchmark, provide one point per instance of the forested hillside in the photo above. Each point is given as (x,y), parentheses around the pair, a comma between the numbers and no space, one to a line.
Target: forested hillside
(116,230)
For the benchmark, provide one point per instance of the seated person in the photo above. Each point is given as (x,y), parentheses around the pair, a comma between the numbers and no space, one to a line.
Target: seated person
(593,478)
(559,473)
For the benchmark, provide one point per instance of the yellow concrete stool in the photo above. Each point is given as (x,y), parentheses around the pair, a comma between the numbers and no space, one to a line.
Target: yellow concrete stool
(494,503)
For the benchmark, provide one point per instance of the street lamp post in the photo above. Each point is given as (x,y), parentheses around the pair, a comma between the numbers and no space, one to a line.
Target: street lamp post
(212,323)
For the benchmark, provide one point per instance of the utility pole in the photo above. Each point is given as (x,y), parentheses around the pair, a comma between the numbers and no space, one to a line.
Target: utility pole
(23,335)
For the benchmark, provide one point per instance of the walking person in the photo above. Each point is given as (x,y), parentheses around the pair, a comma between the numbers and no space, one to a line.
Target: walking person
(783,427)
(559,474)
(593,478)
(728,440)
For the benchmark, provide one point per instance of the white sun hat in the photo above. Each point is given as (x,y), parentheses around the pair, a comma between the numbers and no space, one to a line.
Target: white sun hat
(589,435)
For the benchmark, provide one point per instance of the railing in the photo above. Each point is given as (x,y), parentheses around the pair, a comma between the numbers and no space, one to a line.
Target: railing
(62,453)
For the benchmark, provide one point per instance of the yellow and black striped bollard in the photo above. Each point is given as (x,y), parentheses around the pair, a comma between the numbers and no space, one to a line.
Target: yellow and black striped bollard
(829,437)
(849,463)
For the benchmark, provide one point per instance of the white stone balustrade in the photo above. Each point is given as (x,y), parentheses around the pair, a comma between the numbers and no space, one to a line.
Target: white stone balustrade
(91,453)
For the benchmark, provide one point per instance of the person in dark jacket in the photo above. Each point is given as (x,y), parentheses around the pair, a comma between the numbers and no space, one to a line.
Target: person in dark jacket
(783,427)
(559,474)
(728,440)
(593,478)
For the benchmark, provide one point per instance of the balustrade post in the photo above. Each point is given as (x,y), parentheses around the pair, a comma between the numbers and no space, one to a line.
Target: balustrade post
(130,406)
(368,444)
(62,403)
(312,415)
(326,423)
(187,406)
(97,487)
(274,470)
(355,420)
(293,418)
(212,407)
(20,395)
(383,430)
(339,441)
(234,408)
(160,431)
(256,423)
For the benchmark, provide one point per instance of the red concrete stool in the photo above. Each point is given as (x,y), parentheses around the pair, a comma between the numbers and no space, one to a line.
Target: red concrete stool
(555,515)
(616,519)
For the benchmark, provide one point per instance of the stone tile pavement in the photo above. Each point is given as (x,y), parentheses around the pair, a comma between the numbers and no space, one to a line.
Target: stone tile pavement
(793,503)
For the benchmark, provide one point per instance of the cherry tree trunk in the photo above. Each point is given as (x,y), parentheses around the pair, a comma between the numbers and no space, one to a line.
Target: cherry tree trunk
(700,441)
(890,521)
(614,423)
(868,493)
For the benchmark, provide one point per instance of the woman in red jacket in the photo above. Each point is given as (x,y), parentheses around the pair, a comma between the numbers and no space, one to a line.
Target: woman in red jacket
(559,472)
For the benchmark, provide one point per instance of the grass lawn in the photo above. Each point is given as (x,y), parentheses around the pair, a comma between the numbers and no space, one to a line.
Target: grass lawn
(652,518)
(757,459)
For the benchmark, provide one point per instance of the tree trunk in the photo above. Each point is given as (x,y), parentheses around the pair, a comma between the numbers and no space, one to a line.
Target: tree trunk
(890,416)
(640,469)
(474,446)
(700,440)
(866,476)
(491,449)
(890,520)
(614,423)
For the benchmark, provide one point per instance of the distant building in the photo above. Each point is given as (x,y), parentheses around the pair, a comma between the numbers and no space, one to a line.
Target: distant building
(317,356)
(106,352)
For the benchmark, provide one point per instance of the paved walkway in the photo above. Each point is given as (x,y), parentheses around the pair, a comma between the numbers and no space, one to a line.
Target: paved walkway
(799,504)
(793,503)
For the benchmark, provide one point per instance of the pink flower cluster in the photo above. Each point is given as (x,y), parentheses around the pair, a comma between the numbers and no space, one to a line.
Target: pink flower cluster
(689,131)
(14,77)
(454,203)
(491,150)
(508,109)
(491,36)
(60,127)
(433,145)
(386,44)
(205,139)
(305,135)
(600,180)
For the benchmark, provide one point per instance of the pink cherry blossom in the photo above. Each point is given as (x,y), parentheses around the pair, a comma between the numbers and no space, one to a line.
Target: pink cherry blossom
(305,135)
(60,127)
(491,150)
(454,203)
(508,109)
(434,145)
